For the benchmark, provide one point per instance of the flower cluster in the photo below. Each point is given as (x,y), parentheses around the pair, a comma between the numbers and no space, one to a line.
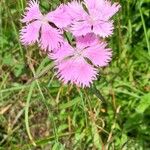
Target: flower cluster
(89,21)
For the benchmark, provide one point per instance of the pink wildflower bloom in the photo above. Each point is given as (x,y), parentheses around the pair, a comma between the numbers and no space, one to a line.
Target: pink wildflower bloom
(72,62)
(97,18)
(38,29)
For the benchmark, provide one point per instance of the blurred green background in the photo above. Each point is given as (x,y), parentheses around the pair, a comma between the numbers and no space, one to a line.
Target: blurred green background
(43,114)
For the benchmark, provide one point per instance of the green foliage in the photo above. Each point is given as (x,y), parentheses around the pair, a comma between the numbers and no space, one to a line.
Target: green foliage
(38,112)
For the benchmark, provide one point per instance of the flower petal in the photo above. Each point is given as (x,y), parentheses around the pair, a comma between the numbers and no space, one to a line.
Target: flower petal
(32,11)
(76,11)
(92,4)
(81,28)
(30,33)
(60,17)
(98,54)
(110,9)
(62,53)
(103,28)
(74,71)
(50,37)
(88,39)
(104,8)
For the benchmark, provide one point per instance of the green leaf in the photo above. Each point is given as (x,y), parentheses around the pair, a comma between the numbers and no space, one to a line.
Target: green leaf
(96,137)
(58,146)
(70,103)
(8,60)
(144,103)
(18,69)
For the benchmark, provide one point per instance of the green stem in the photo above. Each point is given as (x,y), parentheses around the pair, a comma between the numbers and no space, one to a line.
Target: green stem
(145,31)
(27,113)
(98,94)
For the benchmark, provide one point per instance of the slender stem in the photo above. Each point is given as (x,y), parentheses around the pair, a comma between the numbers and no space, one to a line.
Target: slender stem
(98,94)
(27,113)
(145,31)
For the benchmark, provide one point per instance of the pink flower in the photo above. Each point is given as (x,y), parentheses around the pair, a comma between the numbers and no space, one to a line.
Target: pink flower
(73,62)
(38,28)
(97,18)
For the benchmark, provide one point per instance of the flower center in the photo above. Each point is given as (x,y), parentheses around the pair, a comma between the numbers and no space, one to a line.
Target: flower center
(92,19)
(78,52)
(44,19)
